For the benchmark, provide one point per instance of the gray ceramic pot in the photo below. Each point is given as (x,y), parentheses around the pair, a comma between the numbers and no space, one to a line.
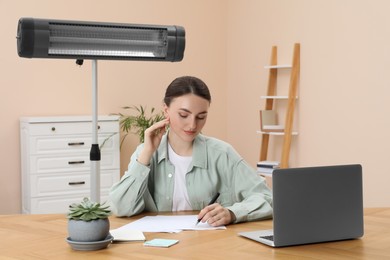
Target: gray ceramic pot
(88,231)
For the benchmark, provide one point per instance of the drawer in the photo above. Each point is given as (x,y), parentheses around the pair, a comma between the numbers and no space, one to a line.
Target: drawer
(72,144)
(62,128)
(58,205)
(55,160)
(78,183)
(72,163)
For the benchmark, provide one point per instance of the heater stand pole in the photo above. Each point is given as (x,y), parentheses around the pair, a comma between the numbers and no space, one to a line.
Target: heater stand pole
(95,150)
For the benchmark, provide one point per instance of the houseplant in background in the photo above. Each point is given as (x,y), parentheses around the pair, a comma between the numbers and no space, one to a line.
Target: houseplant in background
(137,122)
(88,225)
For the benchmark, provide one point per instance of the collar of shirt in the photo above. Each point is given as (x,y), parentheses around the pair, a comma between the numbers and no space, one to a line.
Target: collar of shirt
(199,152)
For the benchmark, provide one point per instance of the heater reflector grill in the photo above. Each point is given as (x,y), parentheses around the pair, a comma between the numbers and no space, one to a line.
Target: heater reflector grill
(65,39)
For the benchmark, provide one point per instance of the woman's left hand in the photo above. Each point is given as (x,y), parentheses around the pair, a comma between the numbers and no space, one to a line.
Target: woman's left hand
(216,215)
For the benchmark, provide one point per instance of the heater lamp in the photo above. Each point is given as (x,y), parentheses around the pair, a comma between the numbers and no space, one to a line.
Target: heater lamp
(43,38)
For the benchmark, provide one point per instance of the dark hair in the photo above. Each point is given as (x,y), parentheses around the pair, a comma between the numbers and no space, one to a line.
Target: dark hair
(186,85)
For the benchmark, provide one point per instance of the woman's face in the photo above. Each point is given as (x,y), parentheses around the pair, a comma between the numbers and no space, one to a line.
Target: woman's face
(187,115)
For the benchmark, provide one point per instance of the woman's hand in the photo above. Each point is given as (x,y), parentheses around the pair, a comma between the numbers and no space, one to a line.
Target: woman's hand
(216,215)
(152,139)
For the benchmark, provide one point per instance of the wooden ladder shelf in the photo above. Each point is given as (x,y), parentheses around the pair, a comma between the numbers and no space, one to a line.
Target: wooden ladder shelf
(270,99)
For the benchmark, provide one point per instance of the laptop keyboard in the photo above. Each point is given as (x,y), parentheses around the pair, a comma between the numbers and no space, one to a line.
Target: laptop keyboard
(271,238)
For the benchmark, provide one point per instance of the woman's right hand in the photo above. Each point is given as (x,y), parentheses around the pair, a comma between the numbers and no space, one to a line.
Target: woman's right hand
(152,139)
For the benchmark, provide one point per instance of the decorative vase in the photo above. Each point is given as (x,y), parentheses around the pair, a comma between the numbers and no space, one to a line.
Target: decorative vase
(88,231)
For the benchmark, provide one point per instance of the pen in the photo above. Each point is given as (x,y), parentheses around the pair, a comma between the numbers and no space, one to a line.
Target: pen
(212,201)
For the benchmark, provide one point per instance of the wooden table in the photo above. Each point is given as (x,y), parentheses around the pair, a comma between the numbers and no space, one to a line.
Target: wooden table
(43,237)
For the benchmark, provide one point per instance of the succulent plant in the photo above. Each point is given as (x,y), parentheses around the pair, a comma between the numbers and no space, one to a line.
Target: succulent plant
(87,210)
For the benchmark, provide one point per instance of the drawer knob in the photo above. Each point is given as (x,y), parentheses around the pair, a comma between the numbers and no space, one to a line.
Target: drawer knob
(77,183)
(76,162)
(73,144)
(53,129)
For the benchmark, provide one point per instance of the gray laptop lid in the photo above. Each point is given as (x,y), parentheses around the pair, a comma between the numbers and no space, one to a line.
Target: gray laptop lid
(317,204)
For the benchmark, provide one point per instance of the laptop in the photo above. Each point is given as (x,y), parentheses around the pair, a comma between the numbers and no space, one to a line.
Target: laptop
(313,205)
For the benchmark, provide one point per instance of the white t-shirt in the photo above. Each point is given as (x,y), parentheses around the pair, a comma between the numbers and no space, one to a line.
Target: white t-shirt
(180,195)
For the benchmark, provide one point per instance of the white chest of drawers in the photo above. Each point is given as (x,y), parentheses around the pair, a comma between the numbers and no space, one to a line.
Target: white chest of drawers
(55,160)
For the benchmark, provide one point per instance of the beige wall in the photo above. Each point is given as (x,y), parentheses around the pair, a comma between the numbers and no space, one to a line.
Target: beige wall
(343,93)
(42,87)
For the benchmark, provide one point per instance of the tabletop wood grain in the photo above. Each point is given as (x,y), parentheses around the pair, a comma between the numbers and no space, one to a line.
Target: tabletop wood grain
(44,237)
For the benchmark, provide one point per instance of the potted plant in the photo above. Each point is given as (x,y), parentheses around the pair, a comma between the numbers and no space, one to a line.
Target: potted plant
(137,123)
(88,221)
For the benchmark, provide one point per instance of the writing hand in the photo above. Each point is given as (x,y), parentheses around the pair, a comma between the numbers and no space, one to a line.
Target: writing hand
(216,215)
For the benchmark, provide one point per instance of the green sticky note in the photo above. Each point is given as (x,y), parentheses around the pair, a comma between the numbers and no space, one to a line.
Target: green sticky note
(160,242)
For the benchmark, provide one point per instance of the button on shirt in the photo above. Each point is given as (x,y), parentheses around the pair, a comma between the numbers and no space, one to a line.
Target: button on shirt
(180,195)
(215,167)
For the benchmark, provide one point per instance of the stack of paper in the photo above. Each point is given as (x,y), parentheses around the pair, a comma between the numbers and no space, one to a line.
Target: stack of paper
(124,235)
(161,242)
(170,224)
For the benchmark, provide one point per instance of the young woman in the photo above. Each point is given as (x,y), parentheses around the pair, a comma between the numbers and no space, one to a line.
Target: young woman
(177,168)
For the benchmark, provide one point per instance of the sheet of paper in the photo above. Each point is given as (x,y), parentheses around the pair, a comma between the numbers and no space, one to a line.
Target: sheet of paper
(171,224)
(123,235)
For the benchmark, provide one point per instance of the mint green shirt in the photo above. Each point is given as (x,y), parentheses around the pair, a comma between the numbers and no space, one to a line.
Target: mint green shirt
(216,167)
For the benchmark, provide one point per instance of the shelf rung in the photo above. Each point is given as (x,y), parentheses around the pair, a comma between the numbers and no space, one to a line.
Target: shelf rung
(275,133)
(285,66)
(275,97)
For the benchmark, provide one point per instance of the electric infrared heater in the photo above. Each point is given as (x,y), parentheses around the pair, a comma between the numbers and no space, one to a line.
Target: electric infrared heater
(60,39)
